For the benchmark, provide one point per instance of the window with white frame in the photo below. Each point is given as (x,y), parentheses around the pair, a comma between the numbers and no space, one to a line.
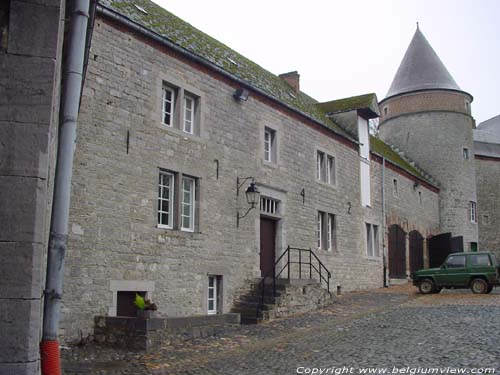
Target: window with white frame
(269,206)
(372,241)
(319,229)
(189,110)
(187,203)
(168,105)
(326,231)
(214,300)
(179,109)
(176,203)
(270,145)
(325,168)
(473,211)
(165,200)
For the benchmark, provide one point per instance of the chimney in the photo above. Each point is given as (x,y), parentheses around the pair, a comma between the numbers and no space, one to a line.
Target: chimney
(292,78)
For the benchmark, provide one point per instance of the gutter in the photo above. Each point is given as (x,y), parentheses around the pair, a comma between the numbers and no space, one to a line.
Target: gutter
(162,40)
(384,224)
(68,115)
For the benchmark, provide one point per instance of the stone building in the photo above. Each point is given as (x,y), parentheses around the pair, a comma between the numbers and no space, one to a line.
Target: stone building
(487,155)
(171,125)
(175,128)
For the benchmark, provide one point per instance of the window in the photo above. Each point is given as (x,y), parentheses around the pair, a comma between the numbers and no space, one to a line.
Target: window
(395,188)
(326,231)
(325,168)
(176,204)
(168,105)
(270,153)
(125,303)
(269,206)
(372,242)
(319,229)
(480,260)
(465,153)
(165,200)
(180,109)
(214,295)
(189,103)
(486,219)
(456,261)
(385,111)
(420,198)
(187,204)
(473,211)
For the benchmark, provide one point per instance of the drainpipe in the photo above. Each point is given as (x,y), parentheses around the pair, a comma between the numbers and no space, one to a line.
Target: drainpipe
(68,115)
(384,250)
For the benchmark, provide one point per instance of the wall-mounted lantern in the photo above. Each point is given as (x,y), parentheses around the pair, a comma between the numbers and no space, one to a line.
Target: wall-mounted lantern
(252,195)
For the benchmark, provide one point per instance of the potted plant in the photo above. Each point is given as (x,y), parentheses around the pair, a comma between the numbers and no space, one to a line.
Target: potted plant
(145,307)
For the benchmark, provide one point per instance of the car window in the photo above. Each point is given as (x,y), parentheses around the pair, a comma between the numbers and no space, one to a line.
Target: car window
(456,261)
(480,260)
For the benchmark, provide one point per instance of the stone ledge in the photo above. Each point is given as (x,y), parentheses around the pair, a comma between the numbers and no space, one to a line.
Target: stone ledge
(147,334)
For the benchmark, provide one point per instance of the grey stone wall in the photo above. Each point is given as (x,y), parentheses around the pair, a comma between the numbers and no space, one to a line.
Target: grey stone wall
(435,141)
(114,236)
(30,60)
(488,205)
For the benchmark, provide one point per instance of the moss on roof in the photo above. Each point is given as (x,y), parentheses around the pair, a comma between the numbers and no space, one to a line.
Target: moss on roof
(383,149)
(367,101)
(195,41)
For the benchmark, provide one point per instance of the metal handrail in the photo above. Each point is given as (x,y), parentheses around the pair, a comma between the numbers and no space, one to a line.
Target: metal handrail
(312,267)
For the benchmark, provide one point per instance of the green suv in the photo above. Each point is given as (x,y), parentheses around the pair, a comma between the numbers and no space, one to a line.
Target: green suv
(478,271)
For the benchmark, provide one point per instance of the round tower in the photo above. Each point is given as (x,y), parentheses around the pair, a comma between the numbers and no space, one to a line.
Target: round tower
(427,116)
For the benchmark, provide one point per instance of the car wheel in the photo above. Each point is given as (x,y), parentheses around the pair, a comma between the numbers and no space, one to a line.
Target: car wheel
(426,286)
(479,286)
(490,288)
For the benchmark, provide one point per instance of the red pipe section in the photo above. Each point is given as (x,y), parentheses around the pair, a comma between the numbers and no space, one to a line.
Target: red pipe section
(49,351)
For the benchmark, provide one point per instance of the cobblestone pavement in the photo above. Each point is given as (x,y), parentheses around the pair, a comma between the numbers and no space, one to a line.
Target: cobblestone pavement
(383,328)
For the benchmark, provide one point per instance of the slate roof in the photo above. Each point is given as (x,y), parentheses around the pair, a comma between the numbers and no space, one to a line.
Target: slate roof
(195,41)
(421,69)
(487,138)
(366,104)
(170,27)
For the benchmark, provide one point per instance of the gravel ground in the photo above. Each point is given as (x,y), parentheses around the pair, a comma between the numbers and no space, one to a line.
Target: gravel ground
(391,328)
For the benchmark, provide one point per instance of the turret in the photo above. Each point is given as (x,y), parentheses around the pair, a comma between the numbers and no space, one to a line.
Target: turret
(426,114)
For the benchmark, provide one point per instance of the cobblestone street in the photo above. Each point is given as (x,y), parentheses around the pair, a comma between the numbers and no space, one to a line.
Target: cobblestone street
(388,328)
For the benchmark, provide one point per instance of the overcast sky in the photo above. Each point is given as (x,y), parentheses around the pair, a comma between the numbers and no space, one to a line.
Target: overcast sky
(343,48)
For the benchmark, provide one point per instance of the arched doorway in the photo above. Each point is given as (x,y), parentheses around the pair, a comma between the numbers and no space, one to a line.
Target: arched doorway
(397,252)
(416,251)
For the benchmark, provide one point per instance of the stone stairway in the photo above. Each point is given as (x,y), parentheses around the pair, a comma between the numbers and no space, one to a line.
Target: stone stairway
(293,296)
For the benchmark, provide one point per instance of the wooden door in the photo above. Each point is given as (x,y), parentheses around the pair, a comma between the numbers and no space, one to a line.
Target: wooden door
(416,251)
(397,252)
(267,246)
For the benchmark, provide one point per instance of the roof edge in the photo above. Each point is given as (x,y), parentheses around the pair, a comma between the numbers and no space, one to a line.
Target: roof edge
(426,90)
(110,13)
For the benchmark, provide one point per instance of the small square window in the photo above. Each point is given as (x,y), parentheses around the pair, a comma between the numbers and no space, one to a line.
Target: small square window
(465,153)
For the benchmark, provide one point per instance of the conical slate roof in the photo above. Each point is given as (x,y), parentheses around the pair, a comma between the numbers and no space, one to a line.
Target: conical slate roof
(421,69)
